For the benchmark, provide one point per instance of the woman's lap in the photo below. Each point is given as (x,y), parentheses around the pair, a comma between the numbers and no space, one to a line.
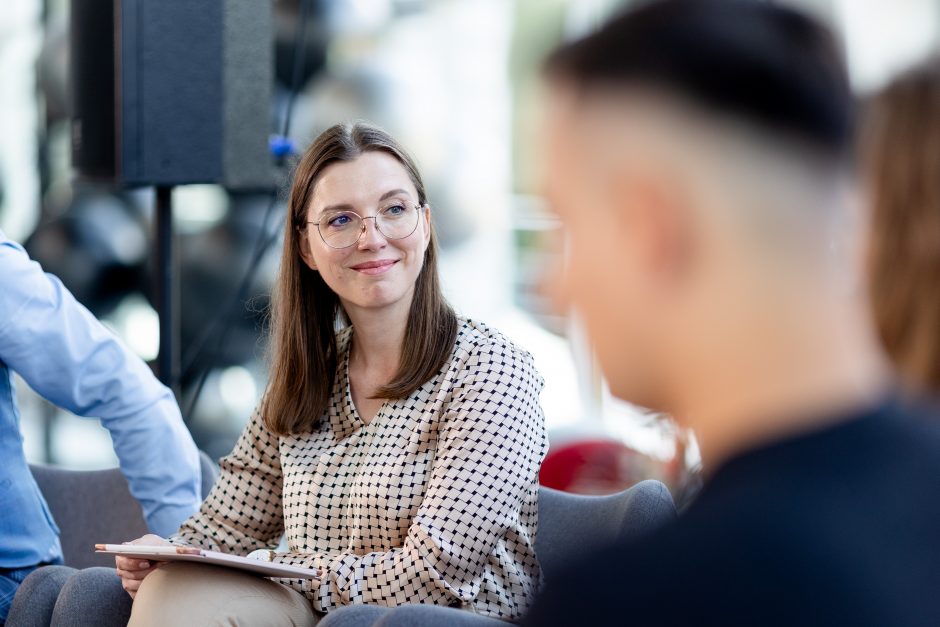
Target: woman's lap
(197,594)
(173,594)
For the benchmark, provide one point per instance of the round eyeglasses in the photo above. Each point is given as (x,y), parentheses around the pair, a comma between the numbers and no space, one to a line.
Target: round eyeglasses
(342,229)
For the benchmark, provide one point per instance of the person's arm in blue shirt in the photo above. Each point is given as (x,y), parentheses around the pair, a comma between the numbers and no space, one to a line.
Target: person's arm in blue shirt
(61,350)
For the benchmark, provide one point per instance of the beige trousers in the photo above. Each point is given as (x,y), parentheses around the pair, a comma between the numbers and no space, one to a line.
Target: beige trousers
(183,594)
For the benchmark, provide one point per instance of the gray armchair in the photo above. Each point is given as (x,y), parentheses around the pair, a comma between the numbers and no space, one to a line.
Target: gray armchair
(79,500)
(569,525)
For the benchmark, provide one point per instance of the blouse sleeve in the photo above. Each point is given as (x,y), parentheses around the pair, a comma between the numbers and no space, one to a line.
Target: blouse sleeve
(243,511)
(491,443)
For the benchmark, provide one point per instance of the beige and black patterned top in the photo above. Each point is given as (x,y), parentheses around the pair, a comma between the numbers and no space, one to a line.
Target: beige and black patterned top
(434,501)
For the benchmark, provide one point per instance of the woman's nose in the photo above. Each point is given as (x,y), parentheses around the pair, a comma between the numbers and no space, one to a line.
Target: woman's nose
(371,236)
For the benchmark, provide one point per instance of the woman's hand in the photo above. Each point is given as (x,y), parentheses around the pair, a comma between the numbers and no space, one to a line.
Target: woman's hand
(132,570)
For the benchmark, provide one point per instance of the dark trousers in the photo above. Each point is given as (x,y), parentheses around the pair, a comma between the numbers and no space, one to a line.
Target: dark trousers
(59,595)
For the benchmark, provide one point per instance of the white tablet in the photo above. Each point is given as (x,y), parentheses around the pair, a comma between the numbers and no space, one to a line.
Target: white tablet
(172,553)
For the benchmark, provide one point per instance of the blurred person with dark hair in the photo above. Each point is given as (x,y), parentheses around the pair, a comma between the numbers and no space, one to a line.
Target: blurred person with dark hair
(900,153)
(67,356)
(400,453)
(700,158)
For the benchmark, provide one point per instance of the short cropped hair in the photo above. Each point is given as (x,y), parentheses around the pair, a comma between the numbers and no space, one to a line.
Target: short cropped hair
(758,62)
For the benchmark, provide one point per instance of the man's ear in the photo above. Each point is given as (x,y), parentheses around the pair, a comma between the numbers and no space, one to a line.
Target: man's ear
(658,221)
(303,244)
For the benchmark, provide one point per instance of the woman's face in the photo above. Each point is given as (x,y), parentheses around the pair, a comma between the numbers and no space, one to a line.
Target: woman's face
(376,271)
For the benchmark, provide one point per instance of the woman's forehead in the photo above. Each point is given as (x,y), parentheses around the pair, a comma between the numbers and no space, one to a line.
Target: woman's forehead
(362,181)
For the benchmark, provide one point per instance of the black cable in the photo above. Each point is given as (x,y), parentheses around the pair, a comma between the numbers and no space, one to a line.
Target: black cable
(265,239)
(240,296)
(197,346)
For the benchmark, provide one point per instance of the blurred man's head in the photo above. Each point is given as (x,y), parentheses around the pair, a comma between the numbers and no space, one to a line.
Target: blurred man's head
(698,155)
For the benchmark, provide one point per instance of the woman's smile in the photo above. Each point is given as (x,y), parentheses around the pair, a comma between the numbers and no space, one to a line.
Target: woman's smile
(379,266)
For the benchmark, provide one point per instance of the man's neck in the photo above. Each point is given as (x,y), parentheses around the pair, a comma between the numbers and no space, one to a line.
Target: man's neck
(778,385)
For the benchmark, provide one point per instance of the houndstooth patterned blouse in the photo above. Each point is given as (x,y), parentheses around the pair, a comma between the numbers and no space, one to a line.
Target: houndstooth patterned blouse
(434,501)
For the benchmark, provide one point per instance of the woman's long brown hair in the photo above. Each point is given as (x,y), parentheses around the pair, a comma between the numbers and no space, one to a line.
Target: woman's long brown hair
(901,159)
(304,310)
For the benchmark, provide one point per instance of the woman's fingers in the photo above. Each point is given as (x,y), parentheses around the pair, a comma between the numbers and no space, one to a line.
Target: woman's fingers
(131,563)
(131,586)
(135,563)
(131,579)
(133,570)
(135,574)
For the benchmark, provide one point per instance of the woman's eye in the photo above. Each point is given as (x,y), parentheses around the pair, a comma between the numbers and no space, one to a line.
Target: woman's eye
(340,220)
(395,211)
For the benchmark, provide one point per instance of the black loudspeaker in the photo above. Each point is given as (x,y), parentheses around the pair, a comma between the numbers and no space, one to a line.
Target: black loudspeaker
(169,92)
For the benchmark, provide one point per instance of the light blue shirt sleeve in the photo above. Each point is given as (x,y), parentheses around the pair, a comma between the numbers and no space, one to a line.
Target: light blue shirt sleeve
(61,350)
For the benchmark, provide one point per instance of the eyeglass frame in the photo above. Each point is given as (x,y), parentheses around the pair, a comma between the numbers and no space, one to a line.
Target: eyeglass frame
(363,219)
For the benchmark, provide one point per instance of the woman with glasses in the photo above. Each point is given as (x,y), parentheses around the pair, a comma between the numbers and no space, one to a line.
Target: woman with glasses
(397,445)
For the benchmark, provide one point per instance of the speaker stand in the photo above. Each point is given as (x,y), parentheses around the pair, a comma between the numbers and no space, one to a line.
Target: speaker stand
(166,289)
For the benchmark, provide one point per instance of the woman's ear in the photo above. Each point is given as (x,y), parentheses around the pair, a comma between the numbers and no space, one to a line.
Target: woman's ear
(427,225)
(303,244)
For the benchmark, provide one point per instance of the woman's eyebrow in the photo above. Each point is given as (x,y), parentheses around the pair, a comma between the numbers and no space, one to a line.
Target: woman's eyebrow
(347,207)
(391,193)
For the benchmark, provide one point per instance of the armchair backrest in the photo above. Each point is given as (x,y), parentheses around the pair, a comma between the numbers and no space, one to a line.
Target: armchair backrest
(97,506)
(571,524)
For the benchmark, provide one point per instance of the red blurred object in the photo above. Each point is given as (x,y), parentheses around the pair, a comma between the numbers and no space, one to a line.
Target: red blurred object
(592,467)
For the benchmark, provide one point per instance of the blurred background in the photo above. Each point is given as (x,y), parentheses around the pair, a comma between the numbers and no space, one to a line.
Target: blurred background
(457,82)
